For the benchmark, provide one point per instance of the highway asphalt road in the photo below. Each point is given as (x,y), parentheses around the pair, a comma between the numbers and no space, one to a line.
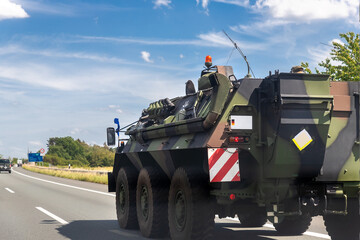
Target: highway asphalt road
(36,206)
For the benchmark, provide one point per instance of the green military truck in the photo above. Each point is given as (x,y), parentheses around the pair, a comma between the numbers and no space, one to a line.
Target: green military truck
(283,148)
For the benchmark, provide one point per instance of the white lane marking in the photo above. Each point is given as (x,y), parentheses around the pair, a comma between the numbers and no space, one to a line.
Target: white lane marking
(9,190)
(66,185)
(319,235)
(60,220)
(313,234)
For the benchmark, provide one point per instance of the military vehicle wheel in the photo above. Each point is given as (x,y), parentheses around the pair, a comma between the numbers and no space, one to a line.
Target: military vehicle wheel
(126,198)
(252,219)
(294,225)
(344,227)
(190,215)
(151,203)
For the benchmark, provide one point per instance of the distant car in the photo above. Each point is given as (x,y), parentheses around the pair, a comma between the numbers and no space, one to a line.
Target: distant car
(5,165)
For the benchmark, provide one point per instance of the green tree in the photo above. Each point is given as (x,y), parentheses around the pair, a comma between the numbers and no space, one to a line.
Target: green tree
(65,150)
(344,64)
(14,160)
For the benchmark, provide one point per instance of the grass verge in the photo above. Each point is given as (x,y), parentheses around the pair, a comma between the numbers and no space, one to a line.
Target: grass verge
(86,177)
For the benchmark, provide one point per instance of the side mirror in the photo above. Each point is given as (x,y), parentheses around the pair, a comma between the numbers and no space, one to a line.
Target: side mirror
(110,136)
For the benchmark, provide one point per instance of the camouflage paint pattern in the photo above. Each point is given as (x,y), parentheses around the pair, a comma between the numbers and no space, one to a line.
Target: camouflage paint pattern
(275,165)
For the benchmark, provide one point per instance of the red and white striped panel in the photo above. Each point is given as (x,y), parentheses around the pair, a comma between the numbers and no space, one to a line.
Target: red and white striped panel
(223,164)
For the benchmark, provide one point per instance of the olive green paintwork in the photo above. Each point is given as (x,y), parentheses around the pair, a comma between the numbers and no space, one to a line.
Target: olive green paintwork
(275,166)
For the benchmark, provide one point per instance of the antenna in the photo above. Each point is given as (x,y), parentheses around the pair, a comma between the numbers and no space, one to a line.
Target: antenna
(242,54)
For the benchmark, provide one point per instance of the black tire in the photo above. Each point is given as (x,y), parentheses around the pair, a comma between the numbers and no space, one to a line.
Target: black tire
(294,225)
(344,227)
(190,210)
(253,219)
(9,171)
(126,198)
(151,203)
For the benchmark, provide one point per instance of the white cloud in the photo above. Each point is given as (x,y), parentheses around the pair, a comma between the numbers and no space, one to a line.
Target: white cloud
(11,10)
(300,11)
(35,143)
(211,39)
(318,54)
(116,108)
(205,3)
(336,40)
(146,56)
(85,78)
(160,3)
(275,13)
(66,8)
(218,39)
(48,8)
(240,3)
(266,25)
(14,49)
(278,13)
(36,74)
(75,131)
(140,41)
(308,10)
(181,56)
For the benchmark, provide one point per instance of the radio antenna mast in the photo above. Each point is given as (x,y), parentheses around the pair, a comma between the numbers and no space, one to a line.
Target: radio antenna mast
(242,54)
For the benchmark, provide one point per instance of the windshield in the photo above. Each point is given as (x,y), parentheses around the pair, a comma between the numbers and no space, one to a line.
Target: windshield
(4,161)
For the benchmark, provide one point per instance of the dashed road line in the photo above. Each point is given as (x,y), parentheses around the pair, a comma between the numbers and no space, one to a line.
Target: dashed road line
(312,234)
(9,190)
(66,185)
(60,220)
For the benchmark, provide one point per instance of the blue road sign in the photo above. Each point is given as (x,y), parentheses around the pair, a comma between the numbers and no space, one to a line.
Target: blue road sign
(35,157)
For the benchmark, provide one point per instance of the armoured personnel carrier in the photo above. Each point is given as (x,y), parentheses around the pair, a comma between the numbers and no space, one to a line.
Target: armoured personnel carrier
(283,148)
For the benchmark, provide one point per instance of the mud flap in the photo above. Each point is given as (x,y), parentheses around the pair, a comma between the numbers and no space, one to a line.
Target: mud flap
(111,182)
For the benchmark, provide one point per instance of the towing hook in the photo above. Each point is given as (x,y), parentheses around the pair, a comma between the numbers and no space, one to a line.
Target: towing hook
(314,202)
(310,201)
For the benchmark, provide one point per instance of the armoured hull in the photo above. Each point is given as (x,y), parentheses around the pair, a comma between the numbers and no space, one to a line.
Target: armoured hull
(283,148)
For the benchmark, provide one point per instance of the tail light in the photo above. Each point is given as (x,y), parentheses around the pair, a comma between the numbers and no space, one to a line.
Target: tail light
(239,139)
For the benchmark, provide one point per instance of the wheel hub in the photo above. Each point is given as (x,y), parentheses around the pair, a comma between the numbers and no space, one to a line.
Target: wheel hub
(180,210)
(144,199)
(122,198)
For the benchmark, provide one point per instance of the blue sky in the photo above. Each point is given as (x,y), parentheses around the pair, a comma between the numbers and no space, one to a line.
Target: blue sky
(68,67)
